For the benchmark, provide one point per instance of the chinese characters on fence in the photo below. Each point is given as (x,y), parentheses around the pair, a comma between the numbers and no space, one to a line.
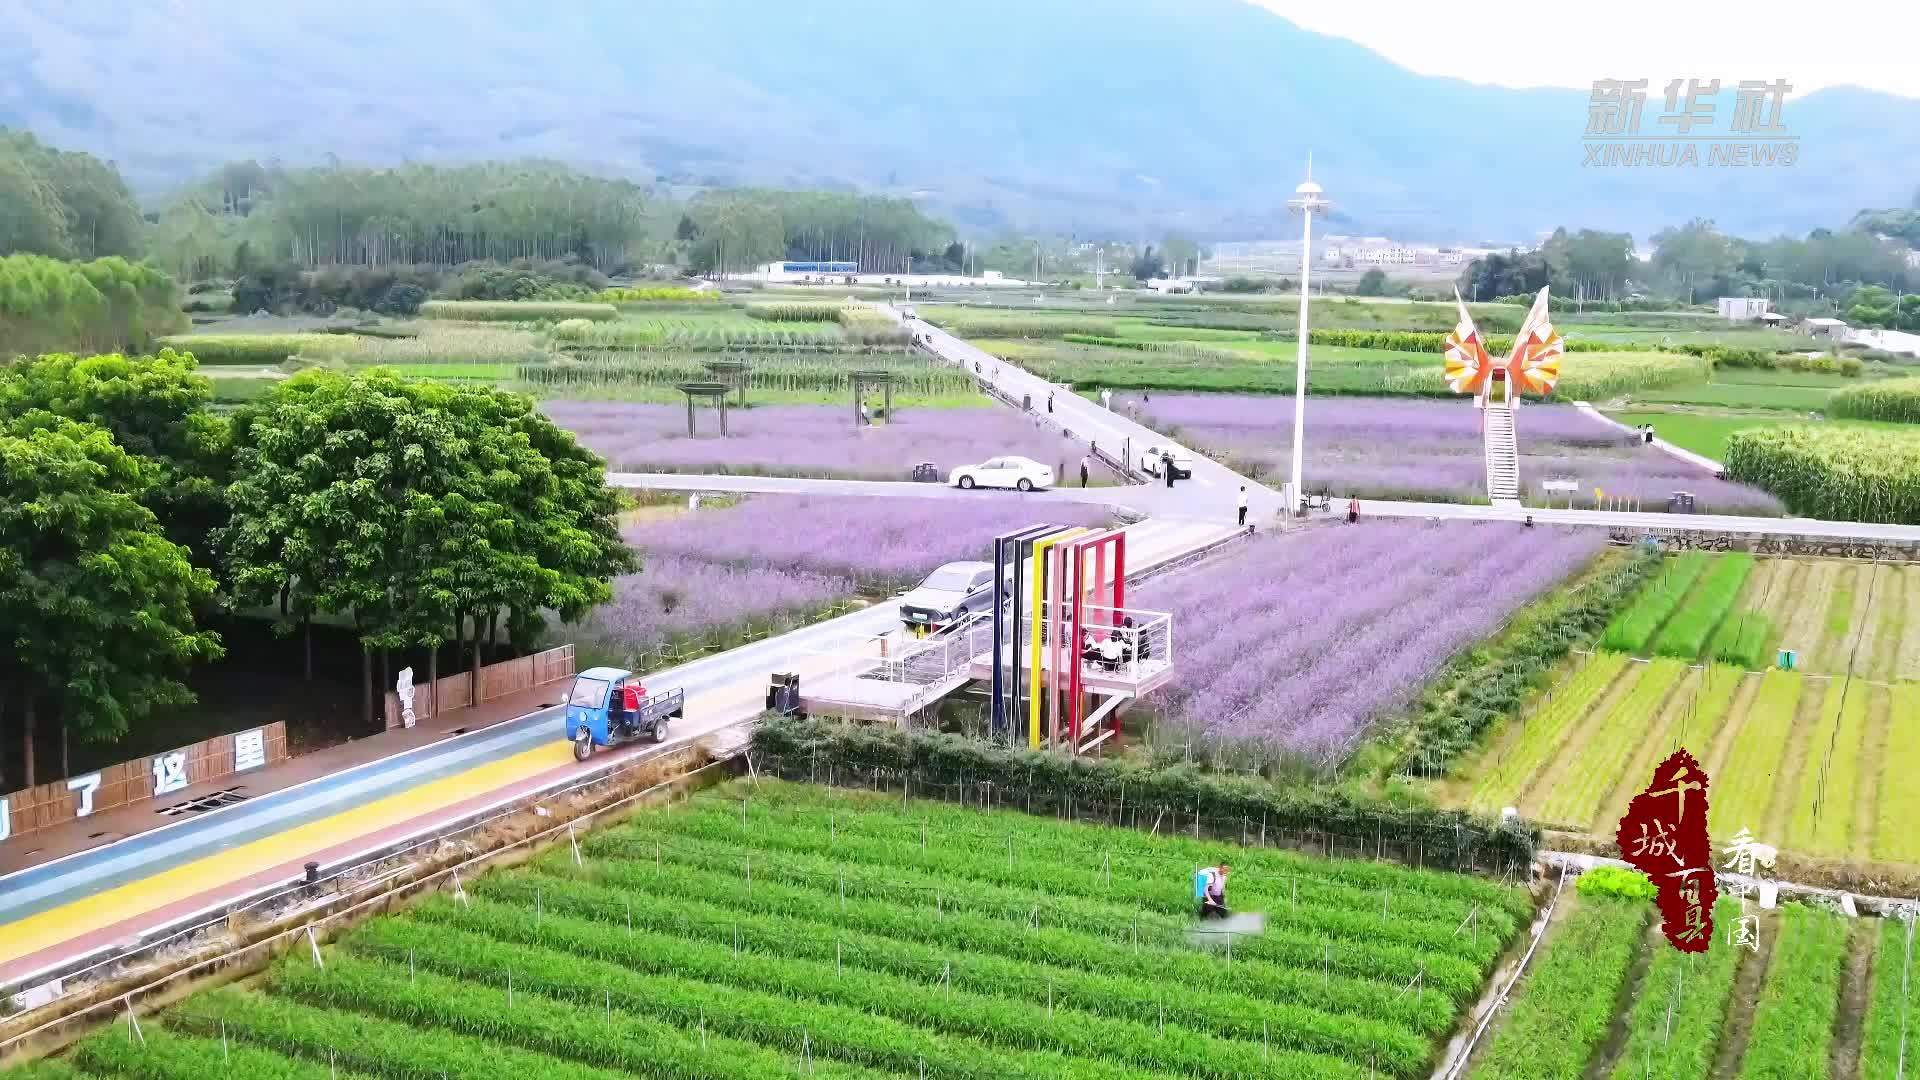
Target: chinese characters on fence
(1746,854)
(1664,835)
(1686,131)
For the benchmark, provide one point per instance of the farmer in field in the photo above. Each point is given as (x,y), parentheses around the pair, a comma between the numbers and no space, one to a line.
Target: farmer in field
(1210,889)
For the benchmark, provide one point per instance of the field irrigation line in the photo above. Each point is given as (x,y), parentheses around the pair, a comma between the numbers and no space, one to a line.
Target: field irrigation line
(418,885)
(1486,1018)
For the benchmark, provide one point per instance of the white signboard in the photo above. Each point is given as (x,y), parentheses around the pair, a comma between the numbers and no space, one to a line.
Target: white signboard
(6,821)
(169,772)
(1560,485)
(249,750)
(86,786)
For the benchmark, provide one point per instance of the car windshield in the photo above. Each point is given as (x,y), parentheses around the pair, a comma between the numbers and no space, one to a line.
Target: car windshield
(950,579)
(588,693)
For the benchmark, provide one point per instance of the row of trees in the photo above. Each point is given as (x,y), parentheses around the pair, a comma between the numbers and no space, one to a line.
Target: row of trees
(421,513)
(105,304)
(63,205)
(730,231)
(1589,264)
(246,216)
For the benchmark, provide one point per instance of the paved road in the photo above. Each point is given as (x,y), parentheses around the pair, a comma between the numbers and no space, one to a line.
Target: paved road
(1211,493)
(89,898)
(794,485)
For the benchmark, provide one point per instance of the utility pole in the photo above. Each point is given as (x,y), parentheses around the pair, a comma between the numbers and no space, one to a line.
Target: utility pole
(1308,199)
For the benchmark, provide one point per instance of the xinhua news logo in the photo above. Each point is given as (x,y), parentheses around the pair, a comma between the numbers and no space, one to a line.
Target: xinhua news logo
(1688,131)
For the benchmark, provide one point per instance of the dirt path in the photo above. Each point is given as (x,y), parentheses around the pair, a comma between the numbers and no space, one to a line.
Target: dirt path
(1746,995)
(1864,632)
(1843,1057)
(1534,797)
(1661,740)
(1607,1056)
(1889,611)
(1736,719)
(1799,756)
(1907,662)
(1804,610)
(1873,750)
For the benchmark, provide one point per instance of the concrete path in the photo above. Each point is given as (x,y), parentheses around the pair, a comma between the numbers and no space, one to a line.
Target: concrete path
(1688,456)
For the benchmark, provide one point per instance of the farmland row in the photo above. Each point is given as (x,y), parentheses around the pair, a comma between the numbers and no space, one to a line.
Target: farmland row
(1633,628)
(1542,731)
(1611,740)
(1689,1015)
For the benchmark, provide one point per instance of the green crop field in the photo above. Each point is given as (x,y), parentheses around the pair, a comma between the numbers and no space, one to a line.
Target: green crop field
(1774,1014)
(1807,759)
(776,930)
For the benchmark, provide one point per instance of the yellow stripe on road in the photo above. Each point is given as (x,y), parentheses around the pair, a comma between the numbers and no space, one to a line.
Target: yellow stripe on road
(147,894)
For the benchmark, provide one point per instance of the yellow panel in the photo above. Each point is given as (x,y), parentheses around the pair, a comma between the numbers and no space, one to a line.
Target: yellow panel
(1034,577)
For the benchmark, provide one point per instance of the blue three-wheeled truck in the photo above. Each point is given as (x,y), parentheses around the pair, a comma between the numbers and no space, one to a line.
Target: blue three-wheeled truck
(609,706)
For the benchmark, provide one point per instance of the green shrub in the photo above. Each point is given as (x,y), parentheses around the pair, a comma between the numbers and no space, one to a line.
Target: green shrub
(1702,611)
(1897,400)
(515,310)
(1744,638)
(1835,473)
(261,349)
(1046,781)
(1621,881)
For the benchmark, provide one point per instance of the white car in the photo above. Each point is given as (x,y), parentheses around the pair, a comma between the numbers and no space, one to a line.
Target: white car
(1025,474)
(1153,456)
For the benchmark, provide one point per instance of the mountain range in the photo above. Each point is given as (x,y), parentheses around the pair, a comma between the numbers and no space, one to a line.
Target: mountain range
(1107,116)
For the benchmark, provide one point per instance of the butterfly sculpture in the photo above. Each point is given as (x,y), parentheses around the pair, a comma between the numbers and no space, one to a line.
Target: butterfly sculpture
(1532,367)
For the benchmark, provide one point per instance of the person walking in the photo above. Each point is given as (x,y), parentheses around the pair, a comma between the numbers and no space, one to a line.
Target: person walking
(1243,506)
(1084,462)
(1049,403)
(1353,509)
(1106,400)
(1166,466)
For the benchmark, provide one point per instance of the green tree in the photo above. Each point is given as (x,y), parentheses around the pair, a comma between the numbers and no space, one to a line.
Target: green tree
(64,205)
(1372,283)
(416,509)
(1147,265)
(1181,254)
(98,605)
(157,408)
(1693,256)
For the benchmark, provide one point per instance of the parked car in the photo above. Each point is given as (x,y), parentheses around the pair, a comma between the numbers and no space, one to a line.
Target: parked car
(949,595)
(1025,474)
(1154,456)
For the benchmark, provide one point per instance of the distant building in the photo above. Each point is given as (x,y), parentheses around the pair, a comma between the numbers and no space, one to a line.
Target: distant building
(1824,328)
(1913,260)
(1171,285)
(1743,308)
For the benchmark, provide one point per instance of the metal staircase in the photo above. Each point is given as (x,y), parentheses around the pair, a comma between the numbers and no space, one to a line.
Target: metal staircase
(1503,455)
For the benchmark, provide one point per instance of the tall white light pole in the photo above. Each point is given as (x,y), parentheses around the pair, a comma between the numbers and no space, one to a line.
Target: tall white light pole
(1307,201)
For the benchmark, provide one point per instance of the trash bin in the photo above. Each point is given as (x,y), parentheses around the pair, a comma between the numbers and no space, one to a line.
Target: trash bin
(1787,658)
(926,473)
(1680,502)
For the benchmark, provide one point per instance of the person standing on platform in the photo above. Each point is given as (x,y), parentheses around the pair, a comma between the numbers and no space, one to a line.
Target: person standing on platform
(1353,509)
(1243,506)
(1084,462)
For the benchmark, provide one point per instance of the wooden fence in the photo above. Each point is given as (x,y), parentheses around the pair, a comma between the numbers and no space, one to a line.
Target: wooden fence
(143,778)
(494,681)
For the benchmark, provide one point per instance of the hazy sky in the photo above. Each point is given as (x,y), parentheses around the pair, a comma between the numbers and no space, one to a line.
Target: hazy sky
(1544,43)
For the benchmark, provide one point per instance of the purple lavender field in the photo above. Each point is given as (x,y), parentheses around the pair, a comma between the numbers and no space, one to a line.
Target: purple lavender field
(723,576)
(1400,448)
(1297,644)
(802,440)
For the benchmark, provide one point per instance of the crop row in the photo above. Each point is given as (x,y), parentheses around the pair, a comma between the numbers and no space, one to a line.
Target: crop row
(1793,1020)
(516,310)
(1895,838)
(585,1009)
(1744,639)
(1169,848)
(1888,399)
(595,962)
(262,349)
(1125,978)
(1822,819)
(1833,472)
(1710,708)
(1891,1010)
(1675,1028)
(791,374)
(162,1054)
(1565,1005)
(1543,731)
(1703,609)
(920,918)
(657,294)
(821,848)
(1610,745)
(1633,628)
(1741,799)
(393,1023)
